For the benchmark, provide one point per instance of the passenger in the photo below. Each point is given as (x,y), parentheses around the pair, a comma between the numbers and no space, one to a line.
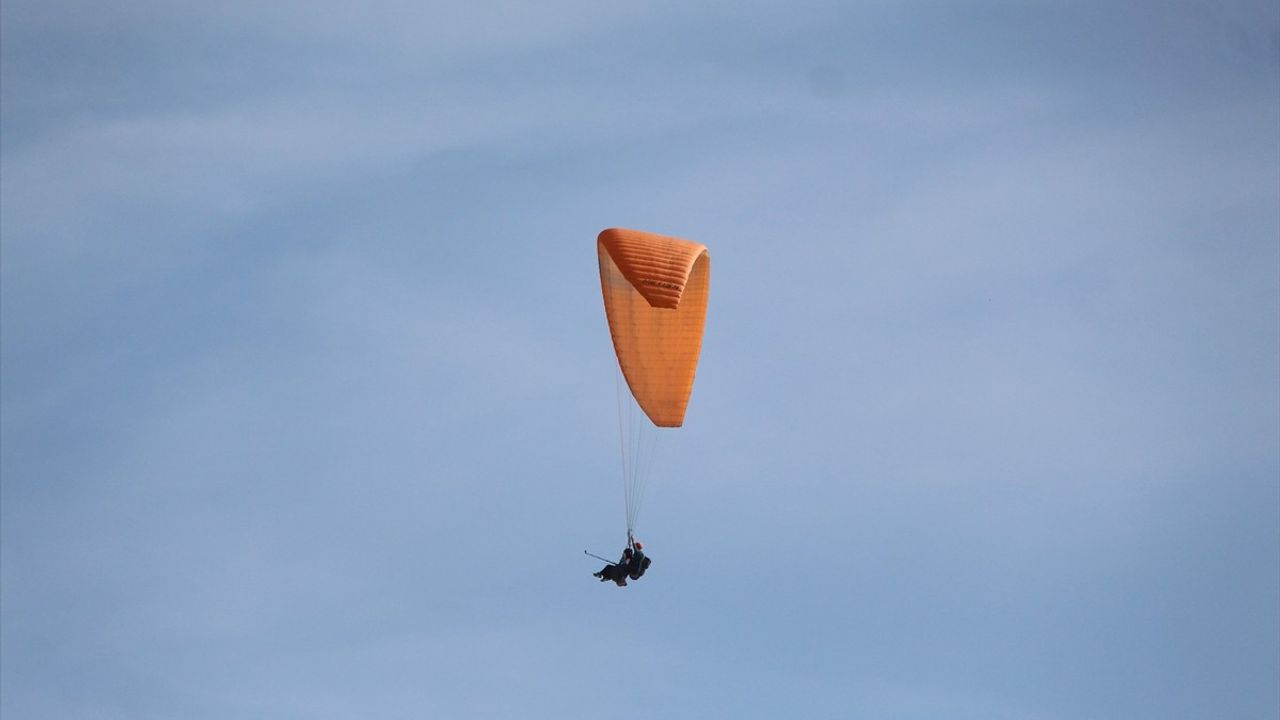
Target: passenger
(618,571)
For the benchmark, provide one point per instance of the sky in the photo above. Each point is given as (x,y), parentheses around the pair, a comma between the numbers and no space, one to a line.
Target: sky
(308,402)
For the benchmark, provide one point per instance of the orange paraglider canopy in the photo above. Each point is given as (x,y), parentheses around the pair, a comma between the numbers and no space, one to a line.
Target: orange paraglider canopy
(655,297)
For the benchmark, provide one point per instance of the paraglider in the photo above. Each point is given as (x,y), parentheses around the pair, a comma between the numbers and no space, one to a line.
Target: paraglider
(638,563)
(655,291)
(632,564)
(617,572)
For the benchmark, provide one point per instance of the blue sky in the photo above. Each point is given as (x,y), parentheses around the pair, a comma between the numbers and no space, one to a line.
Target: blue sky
(308,398)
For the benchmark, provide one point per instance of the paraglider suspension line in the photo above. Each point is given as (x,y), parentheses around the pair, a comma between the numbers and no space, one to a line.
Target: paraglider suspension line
(638,439)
